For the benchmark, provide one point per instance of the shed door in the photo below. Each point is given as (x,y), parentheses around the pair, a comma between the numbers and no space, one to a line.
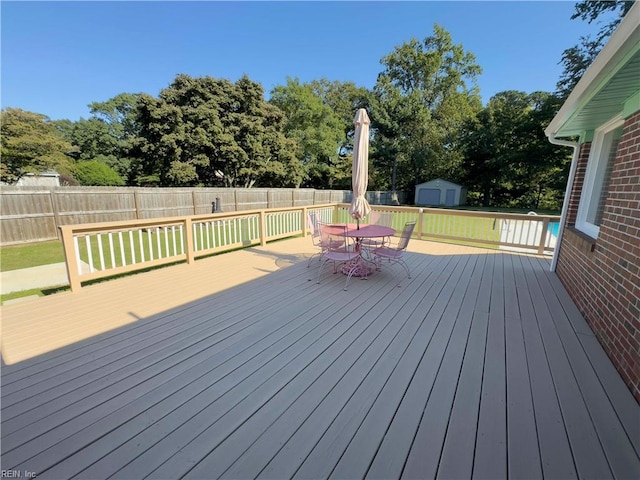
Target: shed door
(429,196)
(451,197)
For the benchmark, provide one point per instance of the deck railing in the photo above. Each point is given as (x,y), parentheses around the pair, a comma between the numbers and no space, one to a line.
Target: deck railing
(100,250)
(529,232)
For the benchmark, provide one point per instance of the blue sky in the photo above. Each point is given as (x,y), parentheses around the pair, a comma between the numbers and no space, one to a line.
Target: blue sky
(57,57)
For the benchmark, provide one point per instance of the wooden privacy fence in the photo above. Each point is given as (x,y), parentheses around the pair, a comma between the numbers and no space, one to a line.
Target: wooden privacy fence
(33,214)
(99,250)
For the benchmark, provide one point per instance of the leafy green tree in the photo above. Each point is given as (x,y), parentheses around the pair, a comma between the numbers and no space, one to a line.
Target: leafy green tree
(576,59)
(344,99)
(315,128)
(508,160)
(119,113)
(31,143)
(420,101)
(107,135)
(96,173)
(92,137)
(201,129)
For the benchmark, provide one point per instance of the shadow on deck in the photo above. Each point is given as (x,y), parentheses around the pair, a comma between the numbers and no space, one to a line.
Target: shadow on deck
(238,366)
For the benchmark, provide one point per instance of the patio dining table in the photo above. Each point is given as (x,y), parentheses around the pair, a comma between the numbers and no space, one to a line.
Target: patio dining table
(358,234)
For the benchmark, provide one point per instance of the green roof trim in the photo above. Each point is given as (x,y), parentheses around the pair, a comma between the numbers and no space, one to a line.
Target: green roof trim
(632,105)
(609,88)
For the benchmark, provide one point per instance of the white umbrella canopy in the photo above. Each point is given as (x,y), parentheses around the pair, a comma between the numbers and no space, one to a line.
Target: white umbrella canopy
(360,171)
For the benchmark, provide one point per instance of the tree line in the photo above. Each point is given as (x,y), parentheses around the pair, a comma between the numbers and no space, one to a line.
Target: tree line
(427,117)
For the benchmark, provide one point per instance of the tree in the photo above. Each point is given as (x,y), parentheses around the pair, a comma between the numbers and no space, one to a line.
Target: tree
(93,172)
(31,143)
(576,59)
(315,128)
(199,128)
(420,101)
(344,99)
(508,159)
(107,135)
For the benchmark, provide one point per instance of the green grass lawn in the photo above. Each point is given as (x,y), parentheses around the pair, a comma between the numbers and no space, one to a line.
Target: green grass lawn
(15,257)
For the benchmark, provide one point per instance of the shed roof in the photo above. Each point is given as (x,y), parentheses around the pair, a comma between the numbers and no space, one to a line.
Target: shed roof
(435,180)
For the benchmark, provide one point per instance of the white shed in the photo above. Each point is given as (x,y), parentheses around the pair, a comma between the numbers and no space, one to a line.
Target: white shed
(440,192)
(48,178)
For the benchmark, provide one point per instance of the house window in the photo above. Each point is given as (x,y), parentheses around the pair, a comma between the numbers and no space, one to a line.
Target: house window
(597,177)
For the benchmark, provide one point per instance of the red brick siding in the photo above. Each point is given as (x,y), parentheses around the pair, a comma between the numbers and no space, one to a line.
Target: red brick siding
(605,282)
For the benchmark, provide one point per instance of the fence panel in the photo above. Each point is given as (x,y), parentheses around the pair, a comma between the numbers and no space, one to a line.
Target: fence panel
(167,203)
(305,197)
(31,214)
(75,205)
(251,199)
(27,215)
(280,198)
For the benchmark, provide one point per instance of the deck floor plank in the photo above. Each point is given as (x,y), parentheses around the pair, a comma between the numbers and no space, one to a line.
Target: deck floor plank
(365,444)
(337,438)
(72,363)
(456,460)
(388,344)
(589,458)
(187,323)
(491,438)
(238,366)
(406,423)
(555,449)
(210,360)
(622,458)
(314,433)
(522,436)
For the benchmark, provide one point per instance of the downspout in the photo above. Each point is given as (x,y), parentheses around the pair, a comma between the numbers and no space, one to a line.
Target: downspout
(567,193)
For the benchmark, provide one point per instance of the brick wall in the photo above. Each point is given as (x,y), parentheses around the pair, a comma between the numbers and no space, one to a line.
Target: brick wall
(603,275)
(581,168)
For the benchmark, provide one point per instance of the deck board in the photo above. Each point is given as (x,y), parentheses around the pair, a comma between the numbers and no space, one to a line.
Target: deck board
(242,366)
(588,454)
(522,436)
(553,441)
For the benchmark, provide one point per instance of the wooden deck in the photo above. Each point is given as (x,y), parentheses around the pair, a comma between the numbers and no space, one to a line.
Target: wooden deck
(239,367)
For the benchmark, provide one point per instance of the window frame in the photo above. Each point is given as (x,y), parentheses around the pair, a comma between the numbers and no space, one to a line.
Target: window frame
(600,152)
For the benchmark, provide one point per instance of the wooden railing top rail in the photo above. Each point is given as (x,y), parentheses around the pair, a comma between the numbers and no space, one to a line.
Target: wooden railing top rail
(163,221)
(464,213)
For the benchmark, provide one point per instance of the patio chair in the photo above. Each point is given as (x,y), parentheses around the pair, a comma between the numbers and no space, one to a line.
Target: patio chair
(313,222)
(378,218)
(396,253)
(337,251)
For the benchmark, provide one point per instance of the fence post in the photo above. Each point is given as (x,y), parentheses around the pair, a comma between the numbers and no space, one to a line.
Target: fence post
(56,213)
(188,233)
(543,236)
(71,260)
(420,223)
(136,200)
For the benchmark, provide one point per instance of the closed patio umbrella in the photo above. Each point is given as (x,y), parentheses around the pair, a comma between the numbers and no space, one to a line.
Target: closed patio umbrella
(359,207)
